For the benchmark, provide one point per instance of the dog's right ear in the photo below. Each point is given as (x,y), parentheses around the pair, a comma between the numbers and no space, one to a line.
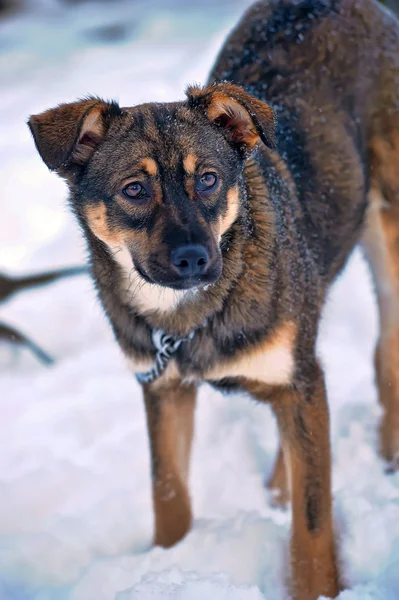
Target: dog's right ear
(70,133)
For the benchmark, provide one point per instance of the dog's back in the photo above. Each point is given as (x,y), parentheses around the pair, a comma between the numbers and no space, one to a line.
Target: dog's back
(343,53)
(330,69)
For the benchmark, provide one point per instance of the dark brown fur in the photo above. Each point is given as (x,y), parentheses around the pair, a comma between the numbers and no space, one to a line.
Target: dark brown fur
(290,204)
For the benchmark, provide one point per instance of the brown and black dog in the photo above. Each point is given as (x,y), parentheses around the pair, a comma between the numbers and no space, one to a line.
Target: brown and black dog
(217,224)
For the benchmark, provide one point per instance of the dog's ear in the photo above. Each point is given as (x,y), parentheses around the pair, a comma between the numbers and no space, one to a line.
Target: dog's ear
(70,133)
(243,118)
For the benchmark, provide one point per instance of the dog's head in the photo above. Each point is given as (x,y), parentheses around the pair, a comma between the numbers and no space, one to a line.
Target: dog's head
(161,181)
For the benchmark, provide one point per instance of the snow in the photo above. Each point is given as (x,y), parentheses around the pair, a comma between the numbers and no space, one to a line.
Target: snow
(75,500)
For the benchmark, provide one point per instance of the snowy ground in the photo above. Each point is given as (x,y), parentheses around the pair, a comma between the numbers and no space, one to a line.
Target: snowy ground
(75,509)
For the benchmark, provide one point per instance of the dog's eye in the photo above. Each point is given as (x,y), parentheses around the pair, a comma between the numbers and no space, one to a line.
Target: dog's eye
(207,182)
(134,190)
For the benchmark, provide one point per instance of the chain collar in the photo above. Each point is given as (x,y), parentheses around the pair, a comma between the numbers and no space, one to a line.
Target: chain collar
(166,346)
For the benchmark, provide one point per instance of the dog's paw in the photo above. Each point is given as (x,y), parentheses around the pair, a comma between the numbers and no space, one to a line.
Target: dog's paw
(393,465)
(389,443)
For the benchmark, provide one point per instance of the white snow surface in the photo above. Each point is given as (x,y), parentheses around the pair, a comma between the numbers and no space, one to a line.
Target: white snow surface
(75,500)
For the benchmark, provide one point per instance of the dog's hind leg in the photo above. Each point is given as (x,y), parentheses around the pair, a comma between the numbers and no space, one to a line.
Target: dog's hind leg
(381,246)
(277,484)
(170,413)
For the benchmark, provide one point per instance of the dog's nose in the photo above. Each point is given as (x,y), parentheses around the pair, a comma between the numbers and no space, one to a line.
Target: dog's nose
(190,260)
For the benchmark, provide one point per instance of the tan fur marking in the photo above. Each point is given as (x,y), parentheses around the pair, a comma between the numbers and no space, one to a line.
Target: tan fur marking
(233,203)
(97,219)
(150,166)
(189,163)
(271,363)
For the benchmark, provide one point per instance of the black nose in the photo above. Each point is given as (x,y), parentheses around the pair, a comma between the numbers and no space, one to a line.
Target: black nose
(190,260)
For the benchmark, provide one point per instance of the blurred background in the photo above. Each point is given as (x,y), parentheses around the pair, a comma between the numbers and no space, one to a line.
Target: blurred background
(75,501)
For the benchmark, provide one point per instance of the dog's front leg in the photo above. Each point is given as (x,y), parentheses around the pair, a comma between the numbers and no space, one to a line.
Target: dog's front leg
(170,413)
(303,420)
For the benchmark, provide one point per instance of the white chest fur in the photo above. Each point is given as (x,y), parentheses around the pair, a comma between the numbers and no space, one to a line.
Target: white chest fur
(146,296)
(272,362)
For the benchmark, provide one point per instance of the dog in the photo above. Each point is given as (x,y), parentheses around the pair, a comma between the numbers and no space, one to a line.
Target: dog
(216,226)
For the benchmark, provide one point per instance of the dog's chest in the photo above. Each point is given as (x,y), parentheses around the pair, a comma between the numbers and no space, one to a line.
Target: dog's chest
(270,362)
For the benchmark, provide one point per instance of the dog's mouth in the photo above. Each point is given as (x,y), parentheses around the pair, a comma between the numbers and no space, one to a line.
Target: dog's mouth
(165,278)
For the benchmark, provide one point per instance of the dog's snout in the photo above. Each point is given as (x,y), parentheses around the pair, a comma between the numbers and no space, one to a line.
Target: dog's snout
(190,260)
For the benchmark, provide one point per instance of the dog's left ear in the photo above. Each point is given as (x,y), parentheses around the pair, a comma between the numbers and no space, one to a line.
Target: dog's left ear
(244,119)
